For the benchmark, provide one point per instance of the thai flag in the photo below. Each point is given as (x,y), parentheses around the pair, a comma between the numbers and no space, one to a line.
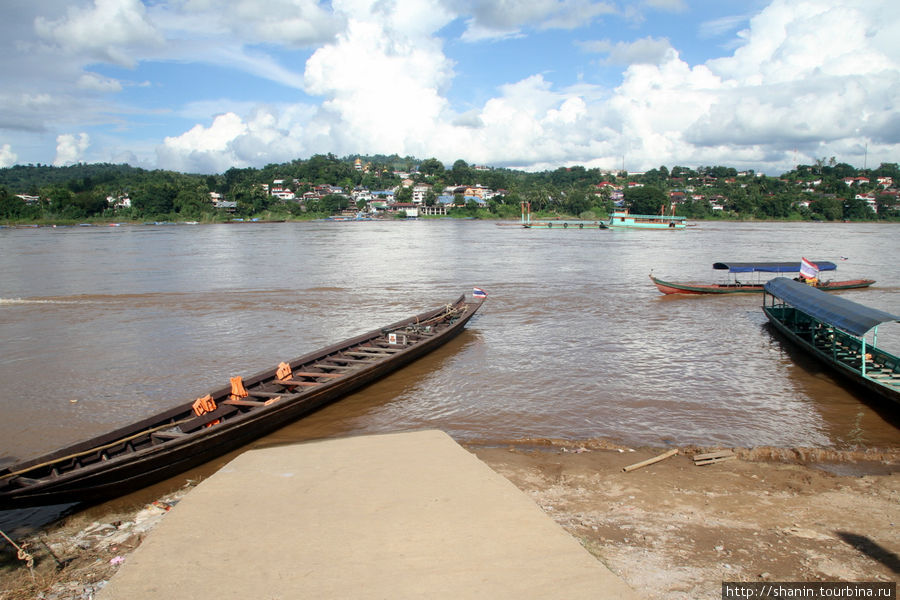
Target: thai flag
(479,293)
(808,269)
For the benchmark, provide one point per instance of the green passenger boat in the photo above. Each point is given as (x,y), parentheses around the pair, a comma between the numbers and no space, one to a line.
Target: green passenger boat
(622,219)
(834,330)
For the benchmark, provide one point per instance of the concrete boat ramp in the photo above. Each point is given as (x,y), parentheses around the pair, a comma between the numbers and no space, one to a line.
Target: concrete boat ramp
(408,515)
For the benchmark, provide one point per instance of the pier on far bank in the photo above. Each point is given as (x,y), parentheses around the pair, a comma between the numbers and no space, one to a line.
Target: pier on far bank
(387,516)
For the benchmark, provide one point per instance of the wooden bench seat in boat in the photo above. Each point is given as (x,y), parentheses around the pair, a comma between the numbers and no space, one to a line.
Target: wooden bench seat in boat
(244,402)
(312,374)
(347,360)
(223,410)
(296,382)
(380,349)
(261,394)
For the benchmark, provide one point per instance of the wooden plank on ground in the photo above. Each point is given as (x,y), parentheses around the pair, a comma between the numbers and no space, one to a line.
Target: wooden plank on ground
(650,461)
(717,454)
(709,458)
(700,463)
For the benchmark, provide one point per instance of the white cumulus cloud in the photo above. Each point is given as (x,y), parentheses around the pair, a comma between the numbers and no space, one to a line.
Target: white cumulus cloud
(808,74)
(799,78)
(70,148)
(290,22)
(383,81)
(108,31)
(7,157)
(267,135)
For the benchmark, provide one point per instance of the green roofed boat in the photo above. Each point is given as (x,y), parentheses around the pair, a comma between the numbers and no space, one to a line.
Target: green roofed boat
(622,219)
(834,330)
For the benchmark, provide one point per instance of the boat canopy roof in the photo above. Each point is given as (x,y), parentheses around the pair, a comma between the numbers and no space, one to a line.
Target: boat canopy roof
(845,314)
(770,267)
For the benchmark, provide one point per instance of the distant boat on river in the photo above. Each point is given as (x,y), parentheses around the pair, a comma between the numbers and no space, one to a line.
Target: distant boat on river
(527,223)
(622,219)
(735,286)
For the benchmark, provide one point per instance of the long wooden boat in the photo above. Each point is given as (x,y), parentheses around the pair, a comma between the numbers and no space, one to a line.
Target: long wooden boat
(833,329)
(734,286)
(227,418)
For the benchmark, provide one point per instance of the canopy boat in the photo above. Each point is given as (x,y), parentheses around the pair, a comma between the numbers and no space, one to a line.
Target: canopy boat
(227,418)
(734,286)
(834,329)
(623,219)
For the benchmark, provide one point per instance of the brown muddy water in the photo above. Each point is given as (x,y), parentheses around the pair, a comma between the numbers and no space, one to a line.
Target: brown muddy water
(101,326)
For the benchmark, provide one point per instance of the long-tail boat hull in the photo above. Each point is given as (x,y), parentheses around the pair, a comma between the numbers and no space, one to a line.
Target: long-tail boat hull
(734,269)
(833,330)
(178,439)
(671,287)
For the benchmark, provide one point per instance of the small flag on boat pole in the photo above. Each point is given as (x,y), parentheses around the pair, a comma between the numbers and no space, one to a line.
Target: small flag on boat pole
(479,293)
(808,269)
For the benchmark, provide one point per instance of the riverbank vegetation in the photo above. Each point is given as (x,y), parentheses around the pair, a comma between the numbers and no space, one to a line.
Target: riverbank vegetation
(325,185)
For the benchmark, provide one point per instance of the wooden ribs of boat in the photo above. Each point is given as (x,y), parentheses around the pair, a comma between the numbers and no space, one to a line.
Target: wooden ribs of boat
(186,436)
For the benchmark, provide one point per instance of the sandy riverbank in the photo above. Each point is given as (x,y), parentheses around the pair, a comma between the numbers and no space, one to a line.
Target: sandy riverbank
(674,530)
(671,530)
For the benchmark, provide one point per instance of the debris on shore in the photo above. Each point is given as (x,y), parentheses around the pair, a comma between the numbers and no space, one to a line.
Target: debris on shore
(74,559)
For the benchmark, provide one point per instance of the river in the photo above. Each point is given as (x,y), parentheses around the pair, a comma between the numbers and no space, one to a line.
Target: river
(101,326)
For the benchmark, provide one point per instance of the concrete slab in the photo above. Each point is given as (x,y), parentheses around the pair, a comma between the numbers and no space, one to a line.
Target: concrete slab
(410,515)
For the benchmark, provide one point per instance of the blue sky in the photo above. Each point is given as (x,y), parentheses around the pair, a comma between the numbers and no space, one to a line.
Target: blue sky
(204,85)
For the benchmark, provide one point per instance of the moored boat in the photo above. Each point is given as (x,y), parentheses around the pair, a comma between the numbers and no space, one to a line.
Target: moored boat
(227,418)
(622,219)
(834,330)
(735,286)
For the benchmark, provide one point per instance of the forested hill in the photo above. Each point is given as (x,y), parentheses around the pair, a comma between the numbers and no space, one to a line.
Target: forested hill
(826,190)
(22,179)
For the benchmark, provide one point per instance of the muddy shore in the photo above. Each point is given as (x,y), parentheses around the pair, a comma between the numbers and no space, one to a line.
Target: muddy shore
(674,530)
(671,530)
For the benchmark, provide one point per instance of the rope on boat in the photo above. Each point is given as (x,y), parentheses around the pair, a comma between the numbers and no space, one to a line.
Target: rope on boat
(21,553)
(96,448)
(450,311)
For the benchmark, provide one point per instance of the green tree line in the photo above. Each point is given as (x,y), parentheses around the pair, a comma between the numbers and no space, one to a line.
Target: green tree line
(78,192)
